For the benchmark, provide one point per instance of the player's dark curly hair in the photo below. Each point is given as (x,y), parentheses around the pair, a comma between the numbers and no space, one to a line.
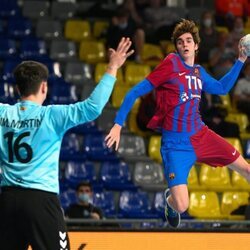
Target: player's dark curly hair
(186,26)
(29,75)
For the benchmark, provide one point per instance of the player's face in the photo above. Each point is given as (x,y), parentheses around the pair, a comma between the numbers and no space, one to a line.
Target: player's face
(186,46)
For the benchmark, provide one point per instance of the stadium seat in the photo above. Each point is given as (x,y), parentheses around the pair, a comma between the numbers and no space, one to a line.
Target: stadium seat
(77,171)
(231,201)
(152,54)
(63,50)
(99,28)
(63,10)
(118,95)
(154,148)
(226,102)
(67,198)
(92,52)
(132,147)
(33,49)
(19,28)
(105,200)
(239,118)
(214,179)
(134,73)
(85,128)
(70,148)
(159,204)
(239,182)
(247,149)
(148,174)
(77,30)
(35,9)
(236,143)
(106,120)
(223,29)
(9,8)
(101,68)
(96,148)
(8,67)
(193,181)
(78,73)
(61,92)
(132,121)
(8,48)
(7,93)
(204,205)
(135,205)
(116,176)
(49,29)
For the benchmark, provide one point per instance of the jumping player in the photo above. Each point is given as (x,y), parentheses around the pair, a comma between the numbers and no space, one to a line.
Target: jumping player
(31,135)
(178,83)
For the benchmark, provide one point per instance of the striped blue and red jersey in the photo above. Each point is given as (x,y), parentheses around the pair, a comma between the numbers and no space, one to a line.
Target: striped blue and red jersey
(178,88)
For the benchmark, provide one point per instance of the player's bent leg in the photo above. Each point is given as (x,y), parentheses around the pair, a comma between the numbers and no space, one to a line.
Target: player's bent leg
(241,166)
(177,201)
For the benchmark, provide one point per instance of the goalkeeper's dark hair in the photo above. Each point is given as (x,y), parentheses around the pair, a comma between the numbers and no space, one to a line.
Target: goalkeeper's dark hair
(29,75)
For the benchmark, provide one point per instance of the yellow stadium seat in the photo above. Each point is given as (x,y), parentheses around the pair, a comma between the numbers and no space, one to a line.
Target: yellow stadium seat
(226,102)
(231,201)
(222,29)
(132,122)
(77,30)
(92,52)
(154,148)
(204,205)
(99,27)
(240,119)
(134,73)
(215,179)
(118,95)
(100,69)
(239,182)
(193,181)
(235,142)
(152,54)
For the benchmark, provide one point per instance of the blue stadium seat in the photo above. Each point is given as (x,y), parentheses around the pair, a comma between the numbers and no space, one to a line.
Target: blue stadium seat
(8,67)
(105,200)
(7,94)
(2,27)
(96,148)
(61,92)
(9,8)
(76,171)
(67,197)
(7,48)
(135,205)
(85,128)
(159,204)
(19,28)
(247,149)
(33,49)
(70,149)
(116,175)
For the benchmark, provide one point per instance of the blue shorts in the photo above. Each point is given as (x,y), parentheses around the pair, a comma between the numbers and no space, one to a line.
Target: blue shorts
(178,157)
(180,151)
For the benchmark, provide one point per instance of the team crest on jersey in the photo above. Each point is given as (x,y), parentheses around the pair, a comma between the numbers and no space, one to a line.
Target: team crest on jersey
(171,176)
(184,97)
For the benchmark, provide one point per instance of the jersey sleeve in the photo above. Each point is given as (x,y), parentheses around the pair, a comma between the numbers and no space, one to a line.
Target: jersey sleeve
(64,117)
(138,90)
(162,72)
(224,85)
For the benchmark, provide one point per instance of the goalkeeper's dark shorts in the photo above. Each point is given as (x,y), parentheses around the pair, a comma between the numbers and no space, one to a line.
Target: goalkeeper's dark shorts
(31,217)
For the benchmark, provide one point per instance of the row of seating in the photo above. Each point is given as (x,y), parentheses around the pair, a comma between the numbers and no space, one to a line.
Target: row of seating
(140,204)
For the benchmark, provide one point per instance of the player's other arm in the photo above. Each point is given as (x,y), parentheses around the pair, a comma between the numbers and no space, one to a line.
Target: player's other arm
(224,85)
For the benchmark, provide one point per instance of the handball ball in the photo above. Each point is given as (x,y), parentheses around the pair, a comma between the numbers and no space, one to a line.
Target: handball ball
(246,43)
